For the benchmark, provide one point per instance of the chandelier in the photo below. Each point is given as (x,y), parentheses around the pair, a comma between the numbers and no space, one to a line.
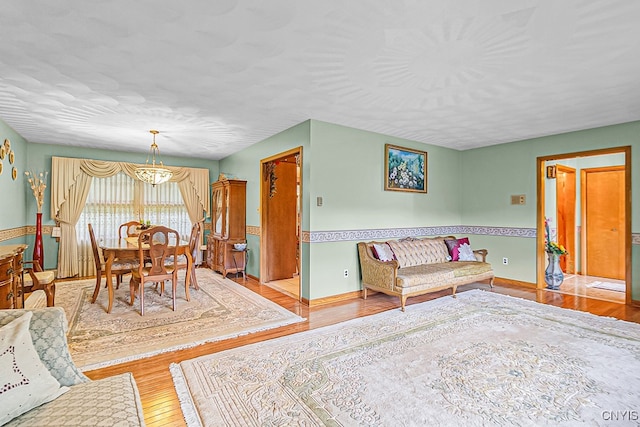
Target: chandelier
(153,174)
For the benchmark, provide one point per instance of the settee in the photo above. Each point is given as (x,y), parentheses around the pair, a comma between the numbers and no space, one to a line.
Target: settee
(112,401)
(413,267)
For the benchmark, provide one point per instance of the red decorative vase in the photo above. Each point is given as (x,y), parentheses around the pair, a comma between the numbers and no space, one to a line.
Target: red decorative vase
(38,250)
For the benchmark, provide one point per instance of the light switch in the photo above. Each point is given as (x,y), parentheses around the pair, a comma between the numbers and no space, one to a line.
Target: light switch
(319,201)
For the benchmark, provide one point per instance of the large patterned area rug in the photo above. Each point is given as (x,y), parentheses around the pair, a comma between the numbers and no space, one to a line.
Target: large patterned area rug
(480,359)
(220,309)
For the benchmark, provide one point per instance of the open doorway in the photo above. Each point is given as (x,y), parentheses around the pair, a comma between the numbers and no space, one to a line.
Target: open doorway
(280,217)
(586,199)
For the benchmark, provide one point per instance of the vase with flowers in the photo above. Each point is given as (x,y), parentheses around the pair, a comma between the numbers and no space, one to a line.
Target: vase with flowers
(38,183)
(553,275)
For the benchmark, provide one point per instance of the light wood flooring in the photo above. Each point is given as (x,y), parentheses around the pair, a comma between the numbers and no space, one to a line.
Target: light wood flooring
(159,400)
(577,284)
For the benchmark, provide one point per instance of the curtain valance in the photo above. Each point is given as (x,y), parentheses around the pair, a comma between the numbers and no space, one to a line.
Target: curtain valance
(65,172)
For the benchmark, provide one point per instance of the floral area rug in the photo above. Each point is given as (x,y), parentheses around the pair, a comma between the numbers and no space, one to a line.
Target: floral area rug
(481,359)
(221,309)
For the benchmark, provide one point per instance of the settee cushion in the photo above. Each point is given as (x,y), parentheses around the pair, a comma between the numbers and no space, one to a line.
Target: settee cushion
(414,252)
(26,382)
(437,275)
(112,401)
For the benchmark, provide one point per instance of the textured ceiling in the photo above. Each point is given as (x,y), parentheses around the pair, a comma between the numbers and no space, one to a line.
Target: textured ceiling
(216,76)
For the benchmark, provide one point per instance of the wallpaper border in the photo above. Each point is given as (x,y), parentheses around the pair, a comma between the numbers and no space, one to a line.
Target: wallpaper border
(351,235)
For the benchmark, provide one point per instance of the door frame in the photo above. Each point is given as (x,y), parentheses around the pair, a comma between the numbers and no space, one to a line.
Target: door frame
(571,243)
(264,264)
(540,215)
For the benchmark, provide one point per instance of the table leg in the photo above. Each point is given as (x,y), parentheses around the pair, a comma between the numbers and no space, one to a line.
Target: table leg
(109,263)
(191,271)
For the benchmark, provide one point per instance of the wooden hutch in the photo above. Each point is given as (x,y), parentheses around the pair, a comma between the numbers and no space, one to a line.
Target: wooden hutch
(11,269)
(229,218)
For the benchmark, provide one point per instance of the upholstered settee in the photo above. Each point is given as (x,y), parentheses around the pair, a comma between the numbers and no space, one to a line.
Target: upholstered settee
(418,266)
(112,401)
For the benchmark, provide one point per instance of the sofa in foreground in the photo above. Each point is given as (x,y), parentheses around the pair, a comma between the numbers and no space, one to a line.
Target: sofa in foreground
(37,367)
(410,267)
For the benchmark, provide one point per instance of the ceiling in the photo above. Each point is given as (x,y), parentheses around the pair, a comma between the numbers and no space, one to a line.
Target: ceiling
(216,76)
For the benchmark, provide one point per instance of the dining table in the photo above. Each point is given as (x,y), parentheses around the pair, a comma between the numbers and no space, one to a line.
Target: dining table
(127,249)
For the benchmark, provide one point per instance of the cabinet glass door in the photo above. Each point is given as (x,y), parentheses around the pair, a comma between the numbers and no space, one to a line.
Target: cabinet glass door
(217,203)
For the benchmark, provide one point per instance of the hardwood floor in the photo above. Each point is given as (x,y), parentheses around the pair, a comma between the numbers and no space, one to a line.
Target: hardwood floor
(160,402)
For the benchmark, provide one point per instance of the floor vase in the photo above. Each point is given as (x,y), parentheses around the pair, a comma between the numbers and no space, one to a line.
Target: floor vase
(553,275)
(38,249)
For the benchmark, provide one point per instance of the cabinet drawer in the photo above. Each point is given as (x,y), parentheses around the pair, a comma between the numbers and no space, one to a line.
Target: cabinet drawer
(6,294)
(6,269)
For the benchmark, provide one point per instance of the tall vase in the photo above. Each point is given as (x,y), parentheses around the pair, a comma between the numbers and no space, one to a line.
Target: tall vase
(38,249)
(553,275)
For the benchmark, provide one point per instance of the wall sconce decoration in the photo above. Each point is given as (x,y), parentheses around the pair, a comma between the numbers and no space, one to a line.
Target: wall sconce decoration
(551,172)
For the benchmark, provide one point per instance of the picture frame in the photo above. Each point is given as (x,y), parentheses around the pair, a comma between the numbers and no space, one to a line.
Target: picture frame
(405,169)
(551,172)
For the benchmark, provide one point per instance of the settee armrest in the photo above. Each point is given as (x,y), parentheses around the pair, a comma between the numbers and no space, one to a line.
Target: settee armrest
(481,254)
(381,274)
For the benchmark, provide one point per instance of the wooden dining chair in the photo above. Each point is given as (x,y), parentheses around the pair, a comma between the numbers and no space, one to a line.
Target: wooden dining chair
(131,228)
(154,248)
(40,280)
(194,246)
(118,268)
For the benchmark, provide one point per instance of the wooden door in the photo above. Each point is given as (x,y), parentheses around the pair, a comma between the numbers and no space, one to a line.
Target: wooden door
(604,221)
(566,215)
(281,217)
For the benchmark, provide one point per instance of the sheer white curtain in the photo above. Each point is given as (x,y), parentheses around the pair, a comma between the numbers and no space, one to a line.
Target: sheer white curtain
(112,201)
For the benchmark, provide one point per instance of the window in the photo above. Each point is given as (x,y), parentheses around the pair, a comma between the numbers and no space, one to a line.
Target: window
(115,200)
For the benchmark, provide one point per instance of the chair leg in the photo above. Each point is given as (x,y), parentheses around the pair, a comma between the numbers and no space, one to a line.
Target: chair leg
(133,289)
(50,291)
(141,289)
(97,289)
(174,286)
(118,279)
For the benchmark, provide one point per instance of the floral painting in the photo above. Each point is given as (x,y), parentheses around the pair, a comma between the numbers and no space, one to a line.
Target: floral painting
(405,169)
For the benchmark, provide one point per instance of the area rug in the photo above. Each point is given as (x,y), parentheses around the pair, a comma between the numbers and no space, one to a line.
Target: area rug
(480,359)
(221,309)
(610,286)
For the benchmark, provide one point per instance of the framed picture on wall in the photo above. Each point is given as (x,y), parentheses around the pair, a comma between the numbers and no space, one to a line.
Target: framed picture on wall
(405,169)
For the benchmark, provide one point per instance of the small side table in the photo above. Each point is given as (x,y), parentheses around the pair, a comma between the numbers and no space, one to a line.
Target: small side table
(243,254)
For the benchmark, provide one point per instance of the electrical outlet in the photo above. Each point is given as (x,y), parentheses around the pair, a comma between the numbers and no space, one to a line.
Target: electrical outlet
(505,261)
(346,273)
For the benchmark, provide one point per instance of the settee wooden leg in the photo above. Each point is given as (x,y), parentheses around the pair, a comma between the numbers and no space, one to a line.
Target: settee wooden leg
(364,292)
(491,282)
(403,301)
(453,292)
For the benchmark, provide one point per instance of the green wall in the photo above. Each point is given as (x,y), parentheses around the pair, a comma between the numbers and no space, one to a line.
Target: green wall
(348,172)
(13,193)
(245,165)
(492,174)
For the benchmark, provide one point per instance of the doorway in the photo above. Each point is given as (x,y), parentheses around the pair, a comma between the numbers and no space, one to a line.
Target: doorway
(280,221)
(566,214)
(585,228)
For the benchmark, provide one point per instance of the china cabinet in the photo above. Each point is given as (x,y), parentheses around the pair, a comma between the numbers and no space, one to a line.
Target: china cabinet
(228,210)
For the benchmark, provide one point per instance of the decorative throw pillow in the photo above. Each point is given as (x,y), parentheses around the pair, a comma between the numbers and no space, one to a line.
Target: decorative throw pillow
(25,381)
(383,252)
(454,246)
(465,253)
